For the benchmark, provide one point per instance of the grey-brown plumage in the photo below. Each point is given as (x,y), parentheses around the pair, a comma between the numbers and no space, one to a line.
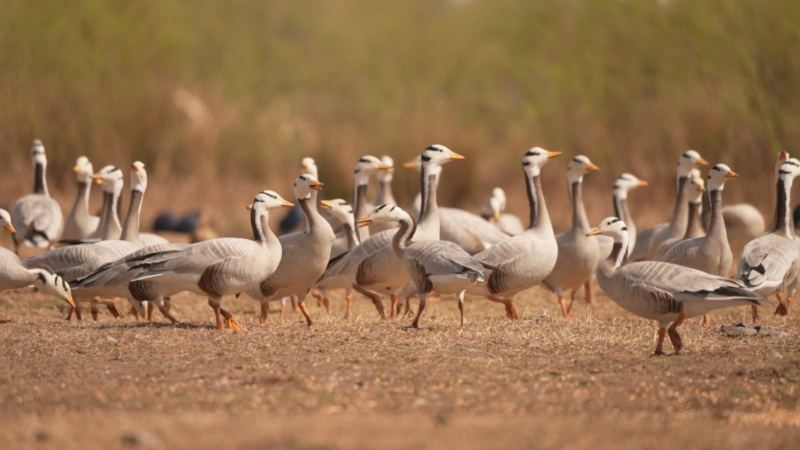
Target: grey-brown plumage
(37,218)
(80,224)
(694,227)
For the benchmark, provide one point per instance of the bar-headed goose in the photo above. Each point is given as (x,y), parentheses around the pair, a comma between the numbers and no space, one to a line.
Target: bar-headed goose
(664,292)
(710,253)
(525,260)
(578,254)
(37,217)
(305,254)
(432,265)
(220,267)
(694,227)
(493,210)
(365,167)
(622,186)
(383,271)
(15,275)
(677,224)
(80,225)
(385,195)
(770,264)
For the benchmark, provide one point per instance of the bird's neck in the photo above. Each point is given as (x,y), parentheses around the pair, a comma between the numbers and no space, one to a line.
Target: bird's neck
(112,229)
(262,233)
(40,181)
(130,231)
(539,216)
(621,209)
(402,238)
(716,226)
(783,224)
(681,211)
(352,237)
(580,223)
(385,196)
(429,210)
(360,207)
(309,207)
(693,225)
(616,259)
(80,210)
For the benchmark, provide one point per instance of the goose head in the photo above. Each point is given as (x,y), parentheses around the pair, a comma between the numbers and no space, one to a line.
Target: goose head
(578,167)
(366,167)
(138,177)
(789,170)
(340,209)
(535,158)
(782,157)
(5,221)
(625,183)
(110,177)
(384,213)
(309,166)
(612,227)
(437,155)
(37,153)
(696,189)
(688,161)
(386,175)
(266,200)
(84,170)
(416,164)
(53,285)
(305,185)
(718,175)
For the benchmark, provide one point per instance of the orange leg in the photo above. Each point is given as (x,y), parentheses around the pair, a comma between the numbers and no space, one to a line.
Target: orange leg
(782,308)
(706,323)
(302,305)
(376,300)
(422,298)
(564,310)
(349,299)
(214,304)
(588,290)
(677,342)
(318,295)
(662,332)
(394,306)
(461,307)
(264,312)
(511,308)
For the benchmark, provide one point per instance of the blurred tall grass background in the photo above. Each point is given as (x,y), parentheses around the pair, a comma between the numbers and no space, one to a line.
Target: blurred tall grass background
(223,98)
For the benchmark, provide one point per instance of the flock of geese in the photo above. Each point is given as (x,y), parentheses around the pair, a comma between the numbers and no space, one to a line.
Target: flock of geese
(668,273)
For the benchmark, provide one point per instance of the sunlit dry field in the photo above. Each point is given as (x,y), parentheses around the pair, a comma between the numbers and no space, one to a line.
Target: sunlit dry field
(541,381)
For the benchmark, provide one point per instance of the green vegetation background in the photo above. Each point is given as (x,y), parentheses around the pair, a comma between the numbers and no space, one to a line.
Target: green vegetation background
(242,89)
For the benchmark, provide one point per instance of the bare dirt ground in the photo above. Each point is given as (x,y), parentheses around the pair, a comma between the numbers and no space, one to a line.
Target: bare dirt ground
(540,382)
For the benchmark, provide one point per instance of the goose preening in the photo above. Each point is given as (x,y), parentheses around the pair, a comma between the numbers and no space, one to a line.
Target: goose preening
(432,265)
(677,224)
(664,292)
(770,264)
(493,210)
(710,253)
(15,275)
(383,271)
(524,260)
(694,227)
(80,225)
(305,254)
(219,267)
(37,217)
(578,254)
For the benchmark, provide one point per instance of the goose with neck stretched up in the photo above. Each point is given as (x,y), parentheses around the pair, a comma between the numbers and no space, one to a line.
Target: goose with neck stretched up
(76,261)
(578,254)
(219,267)
(432,265)
(493,210)
(37,217)
(522,261)
(677,224)
(383,271)
(365,168)
(694,227)
(622,186)
(385,195)
(15,275)
(80,225)
(664,292)
(305,255)
(770,264)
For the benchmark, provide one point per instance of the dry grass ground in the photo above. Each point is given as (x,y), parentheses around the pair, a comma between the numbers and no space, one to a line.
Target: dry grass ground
(537,382)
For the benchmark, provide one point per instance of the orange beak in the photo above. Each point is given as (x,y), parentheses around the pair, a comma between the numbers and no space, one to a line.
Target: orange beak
(592,167)
(731,174)
(551,155)
(594,232)
(326,204)
(97,178)
(454,155)
(316,186)
(10,228)
(784,155)
(702,162)
(642,183)
(366,221)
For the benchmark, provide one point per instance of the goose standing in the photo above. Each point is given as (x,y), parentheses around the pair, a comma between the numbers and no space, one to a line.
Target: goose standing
(305,255)
(493,211)
(77,261)
(770,264)
(385,195)
(525,260)
(365,168)
(710,253)
(80,225)
(578,254)
(664,292)
(37,217)
(624,184)
(15,275)
(644,240)
(219,267)
(383,271)
(677,225)
(694,226)
(432,265)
